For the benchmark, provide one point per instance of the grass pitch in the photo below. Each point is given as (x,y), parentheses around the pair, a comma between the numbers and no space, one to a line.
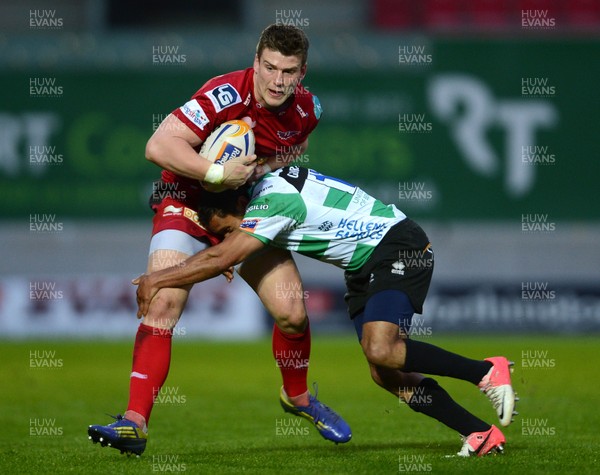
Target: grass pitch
(219,411)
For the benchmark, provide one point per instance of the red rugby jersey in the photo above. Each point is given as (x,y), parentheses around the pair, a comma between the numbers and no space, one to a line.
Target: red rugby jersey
(231,96)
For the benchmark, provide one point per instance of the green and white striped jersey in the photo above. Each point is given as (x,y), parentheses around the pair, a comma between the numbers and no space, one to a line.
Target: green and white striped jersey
(321,217)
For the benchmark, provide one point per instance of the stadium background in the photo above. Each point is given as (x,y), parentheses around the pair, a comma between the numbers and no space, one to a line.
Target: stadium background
(478,119)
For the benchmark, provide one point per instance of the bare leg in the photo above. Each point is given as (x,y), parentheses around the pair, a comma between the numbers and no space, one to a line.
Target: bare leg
(152,350)
(273,275)
(383,343)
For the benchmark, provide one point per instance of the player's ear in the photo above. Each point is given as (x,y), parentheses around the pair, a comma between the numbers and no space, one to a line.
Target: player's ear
(302,72)
(256,63)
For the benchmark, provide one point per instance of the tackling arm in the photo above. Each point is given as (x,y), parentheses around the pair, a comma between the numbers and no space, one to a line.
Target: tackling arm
(201,266)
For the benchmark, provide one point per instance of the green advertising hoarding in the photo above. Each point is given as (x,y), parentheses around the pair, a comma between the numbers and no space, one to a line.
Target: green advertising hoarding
(458,130)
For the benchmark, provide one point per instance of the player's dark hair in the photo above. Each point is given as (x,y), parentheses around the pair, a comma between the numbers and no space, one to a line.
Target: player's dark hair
(219,204)
(288,40)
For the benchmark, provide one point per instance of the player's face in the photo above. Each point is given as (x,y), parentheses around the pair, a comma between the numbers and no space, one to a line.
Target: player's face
(224,226)
(276,77)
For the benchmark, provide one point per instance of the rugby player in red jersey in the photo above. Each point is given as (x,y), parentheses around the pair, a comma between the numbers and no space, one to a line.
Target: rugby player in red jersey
(271,98)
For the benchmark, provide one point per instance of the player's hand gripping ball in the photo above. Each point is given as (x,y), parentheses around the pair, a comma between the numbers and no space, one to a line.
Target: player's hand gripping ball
(232,139)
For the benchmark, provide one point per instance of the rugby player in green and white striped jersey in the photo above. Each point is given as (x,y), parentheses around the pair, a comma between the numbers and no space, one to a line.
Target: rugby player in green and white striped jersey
(388,263)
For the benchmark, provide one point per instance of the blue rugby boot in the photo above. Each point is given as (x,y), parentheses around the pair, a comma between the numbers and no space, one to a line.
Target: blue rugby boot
(329,424)
(123,435)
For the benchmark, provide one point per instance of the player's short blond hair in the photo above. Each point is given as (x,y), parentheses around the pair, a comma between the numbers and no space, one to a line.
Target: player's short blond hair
(286,39)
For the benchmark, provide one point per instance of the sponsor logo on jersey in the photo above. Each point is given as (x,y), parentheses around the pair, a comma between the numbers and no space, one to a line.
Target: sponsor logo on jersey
(256,207)
(295,176)
(287,134)
(193,111)
(191,215)
(398,267)
(318,110)
(183,211)
(249,225)
(326,226)
(223,96)
(248,99)
(360,229)
(293,172)
(301,111)
(172,211)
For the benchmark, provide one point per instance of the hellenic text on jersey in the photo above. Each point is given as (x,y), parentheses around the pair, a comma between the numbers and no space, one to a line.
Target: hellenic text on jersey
(322,217)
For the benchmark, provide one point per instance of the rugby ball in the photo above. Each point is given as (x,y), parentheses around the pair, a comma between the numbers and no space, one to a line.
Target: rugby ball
(230,140)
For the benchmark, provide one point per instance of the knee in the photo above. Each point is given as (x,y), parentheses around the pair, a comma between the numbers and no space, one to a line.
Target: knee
(376,352)
(165,310)
(381,353)
(294,322)
(290,316)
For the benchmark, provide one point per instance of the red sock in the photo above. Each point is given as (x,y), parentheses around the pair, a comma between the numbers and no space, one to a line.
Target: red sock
(292,352)
(151,360)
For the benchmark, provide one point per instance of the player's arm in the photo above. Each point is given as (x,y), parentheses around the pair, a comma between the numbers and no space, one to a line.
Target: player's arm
(172,147)
(201,266)
(290,154)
